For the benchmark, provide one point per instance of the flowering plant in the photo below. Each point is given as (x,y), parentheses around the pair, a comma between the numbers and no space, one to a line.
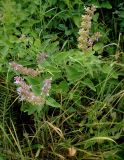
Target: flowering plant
(25,91)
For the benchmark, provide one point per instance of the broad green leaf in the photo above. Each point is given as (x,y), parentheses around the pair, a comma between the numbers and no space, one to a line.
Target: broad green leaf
(76,20)
(63,87)
(36,84)
(4,51)
(75,72)
(52,48)
(60,57)
(121,15)
(110,71)
(95,17)
(62,27)
(52,102)
(29,108)
(53,71)
(98,46)
(37,43)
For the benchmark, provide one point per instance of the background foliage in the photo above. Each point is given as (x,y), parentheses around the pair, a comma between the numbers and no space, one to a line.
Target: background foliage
(84,112)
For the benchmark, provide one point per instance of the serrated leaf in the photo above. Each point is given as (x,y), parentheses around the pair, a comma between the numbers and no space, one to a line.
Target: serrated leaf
(75,72)
(60,57)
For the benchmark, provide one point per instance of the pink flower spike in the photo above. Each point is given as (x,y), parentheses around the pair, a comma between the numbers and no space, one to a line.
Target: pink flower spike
(46,87)
(18,80)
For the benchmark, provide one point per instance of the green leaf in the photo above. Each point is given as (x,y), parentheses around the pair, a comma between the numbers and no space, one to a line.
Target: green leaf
(53,2)
(63,87)
(68,3)
(31,109)
(60,57)
(2,158)
(37,43)
(52,48)
(76,20)
(75,72)
(4,51)
(106,5)
(98,46)
(89,84)
(62,27)
(51,102)
(71,110)
(28,108)
(95,17)
(35,84)
(53,71)
(109,70)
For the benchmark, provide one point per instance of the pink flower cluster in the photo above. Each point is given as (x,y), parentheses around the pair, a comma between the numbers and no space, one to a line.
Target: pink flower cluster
(85,40)
(46,87)
(25,93)
(24,70)
(24,90)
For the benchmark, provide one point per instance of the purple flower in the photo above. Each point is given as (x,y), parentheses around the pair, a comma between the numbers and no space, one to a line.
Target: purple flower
(18,80)
(24,70)
(46,87)
(25,93)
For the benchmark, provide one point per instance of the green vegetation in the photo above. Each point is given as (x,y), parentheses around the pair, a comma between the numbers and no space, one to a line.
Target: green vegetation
(61,80)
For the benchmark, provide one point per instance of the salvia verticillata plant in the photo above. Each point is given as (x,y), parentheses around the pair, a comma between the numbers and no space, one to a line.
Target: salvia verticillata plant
(85,40)
(24,90)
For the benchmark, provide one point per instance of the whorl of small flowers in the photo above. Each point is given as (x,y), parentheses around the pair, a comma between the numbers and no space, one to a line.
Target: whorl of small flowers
(24,70)
(25,93)
(85,42)
(46,87)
